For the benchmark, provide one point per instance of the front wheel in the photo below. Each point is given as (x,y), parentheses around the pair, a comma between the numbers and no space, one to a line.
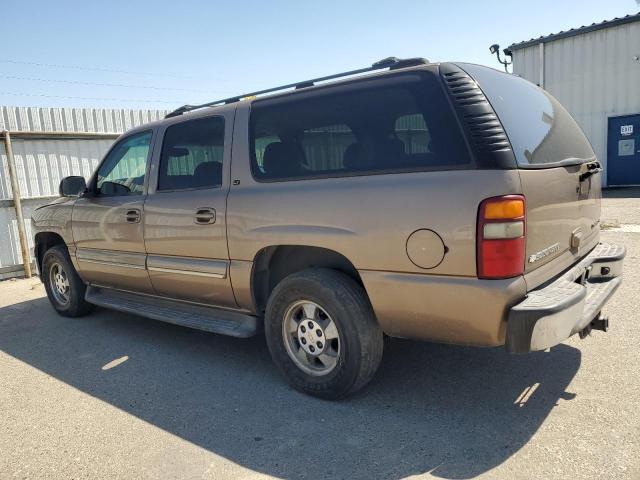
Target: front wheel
(322,333)
(64,287)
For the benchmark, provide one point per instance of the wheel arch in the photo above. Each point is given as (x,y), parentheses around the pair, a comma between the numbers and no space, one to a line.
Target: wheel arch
(272,264)
(42,242)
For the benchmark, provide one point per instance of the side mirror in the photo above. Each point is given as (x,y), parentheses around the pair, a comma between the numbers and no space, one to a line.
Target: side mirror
(72,186)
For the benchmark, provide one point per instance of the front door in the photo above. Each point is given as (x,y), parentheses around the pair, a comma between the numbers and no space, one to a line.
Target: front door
(623,150)
(184,222)
(107,222)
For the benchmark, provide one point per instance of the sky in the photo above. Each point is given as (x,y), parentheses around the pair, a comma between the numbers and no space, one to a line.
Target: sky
(163,54)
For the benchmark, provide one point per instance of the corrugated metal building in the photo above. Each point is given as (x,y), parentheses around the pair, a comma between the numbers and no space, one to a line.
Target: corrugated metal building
(48,145)
(594,71)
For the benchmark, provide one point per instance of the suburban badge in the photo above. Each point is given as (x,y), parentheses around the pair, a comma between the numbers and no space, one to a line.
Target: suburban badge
(544,253)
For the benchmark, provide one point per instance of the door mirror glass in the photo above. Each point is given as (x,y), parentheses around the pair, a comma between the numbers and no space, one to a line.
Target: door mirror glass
(72,186)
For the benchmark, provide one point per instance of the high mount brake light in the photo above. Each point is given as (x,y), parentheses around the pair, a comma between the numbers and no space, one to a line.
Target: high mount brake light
(501,237)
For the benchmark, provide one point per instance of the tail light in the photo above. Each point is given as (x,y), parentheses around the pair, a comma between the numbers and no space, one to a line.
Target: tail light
(501,237)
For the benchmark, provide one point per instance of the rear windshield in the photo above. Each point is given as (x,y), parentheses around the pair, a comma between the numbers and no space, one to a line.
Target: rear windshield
(403,124)
(541,131)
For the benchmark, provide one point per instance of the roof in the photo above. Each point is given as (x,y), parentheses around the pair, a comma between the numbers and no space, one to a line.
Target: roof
(577,31)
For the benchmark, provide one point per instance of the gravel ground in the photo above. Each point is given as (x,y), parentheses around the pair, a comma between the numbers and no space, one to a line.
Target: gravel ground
(118,396)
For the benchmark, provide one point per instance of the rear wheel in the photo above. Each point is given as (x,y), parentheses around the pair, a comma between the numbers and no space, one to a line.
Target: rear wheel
(64,287)
(322,333)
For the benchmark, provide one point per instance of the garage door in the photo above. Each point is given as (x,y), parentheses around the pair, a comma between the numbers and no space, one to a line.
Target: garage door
(623,150)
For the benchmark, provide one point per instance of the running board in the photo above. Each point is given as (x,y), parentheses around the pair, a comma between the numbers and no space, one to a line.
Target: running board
(208,319)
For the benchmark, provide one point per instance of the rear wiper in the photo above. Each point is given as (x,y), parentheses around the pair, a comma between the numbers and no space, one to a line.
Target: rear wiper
(592,169)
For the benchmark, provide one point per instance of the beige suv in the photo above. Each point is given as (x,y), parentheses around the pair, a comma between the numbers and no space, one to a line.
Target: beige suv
(443,202)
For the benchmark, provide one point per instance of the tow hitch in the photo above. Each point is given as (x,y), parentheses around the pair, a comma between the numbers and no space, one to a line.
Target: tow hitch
(599,323)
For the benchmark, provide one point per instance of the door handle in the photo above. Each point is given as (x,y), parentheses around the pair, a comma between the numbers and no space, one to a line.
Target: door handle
(133,216)
(205,216)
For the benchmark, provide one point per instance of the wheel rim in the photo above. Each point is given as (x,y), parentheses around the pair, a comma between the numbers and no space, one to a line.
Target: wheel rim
(59,283)
(311,338)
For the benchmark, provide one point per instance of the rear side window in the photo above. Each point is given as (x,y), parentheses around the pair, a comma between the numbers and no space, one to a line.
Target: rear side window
(541,131)
(192,154)
(403,126)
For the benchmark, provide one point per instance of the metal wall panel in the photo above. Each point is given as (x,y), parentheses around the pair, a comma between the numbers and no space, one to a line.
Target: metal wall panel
(526,63)
(103,120)
(41,164)
(9,241)
(595,75)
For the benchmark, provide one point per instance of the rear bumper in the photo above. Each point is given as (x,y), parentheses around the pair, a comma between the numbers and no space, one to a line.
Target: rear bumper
(554,312)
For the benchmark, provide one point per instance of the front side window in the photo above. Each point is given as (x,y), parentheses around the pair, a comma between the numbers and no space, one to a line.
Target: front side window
(373,129)
(192,154)
(123,171)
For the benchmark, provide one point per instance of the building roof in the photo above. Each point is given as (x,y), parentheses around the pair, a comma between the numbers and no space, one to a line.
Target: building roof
(577,31)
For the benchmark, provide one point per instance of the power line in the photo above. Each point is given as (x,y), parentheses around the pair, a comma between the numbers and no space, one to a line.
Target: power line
(94,69)
(79,82)
(89,98)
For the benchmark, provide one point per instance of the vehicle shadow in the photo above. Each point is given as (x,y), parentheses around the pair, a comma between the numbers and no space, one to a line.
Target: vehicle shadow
(453,411)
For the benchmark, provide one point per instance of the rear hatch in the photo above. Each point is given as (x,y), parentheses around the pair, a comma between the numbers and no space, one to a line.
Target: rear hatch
(558,171)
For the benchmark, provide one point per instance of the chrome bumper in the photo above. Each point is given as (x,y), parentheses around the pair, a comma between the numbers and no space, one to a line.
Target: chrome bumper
(568,304)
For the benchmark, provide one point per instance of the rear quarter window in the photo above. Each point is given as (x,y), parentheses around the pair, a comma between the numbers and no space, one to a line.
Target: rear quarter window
(405,125)
(541,131)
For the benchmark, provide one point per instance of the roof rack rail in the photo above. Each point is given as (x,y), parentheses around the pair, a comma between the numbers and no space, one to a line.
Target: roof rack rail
(391,63)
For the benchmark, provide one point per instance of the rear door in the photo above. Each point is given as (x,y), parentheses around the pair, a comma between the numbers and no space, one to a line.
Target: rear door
(557,171)
(185,212)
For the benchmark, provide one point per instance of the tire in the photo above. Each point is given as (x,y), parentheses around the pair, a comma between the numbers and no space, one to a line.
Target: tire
(58,271)
(338,366)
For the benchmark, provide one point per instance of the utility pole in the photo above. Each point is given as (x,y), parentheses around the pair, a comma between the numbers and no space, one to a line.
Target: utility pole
(15,188)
